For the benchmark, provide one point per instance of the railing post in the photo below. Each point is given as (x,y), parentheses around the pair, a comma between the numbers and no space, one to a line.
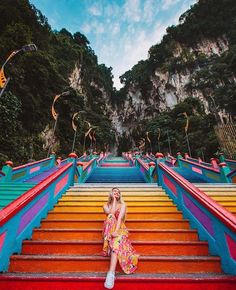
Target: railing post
(159,158)
(214,163)
(53,161)
(222,157)
(73,158)
(7,170)
(179,156)
(224,171)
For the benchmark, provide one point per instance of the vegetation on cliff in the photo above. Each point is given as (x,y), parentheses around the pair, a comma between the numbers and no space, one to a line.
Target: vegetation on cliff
(38,76)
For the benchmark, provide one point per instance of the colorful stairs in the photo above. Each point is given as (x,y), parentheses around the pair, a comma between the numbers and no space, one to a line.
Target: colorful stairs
(116,175)
(10,191)
(224,194)
(65,252)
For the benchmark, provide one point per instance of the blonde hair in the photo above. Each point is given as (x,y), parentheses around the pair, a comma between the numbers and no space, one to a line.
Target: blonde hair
(110,197)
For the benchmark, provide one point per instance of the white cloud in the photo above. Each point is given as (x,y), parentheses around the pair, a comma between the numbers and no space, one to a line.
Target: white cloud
(86,28)
(132,10)
(166,4)
(149,10)
(95,10)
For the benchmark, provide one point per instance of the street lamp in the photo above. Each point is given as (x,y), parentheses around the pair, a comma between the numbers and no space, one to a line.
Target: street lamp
(3,80)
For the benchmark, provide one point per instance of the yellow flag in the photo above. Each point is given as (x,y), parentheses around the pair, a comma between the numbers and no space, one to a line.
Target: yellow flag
(187,122)
(2,78)
(73,123)
(87,133)
(158,134)
(148,137)
(54,113)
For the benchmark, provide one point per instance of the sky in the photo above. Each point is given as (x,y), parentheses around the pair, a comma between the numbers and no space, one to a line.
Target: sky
(120,31)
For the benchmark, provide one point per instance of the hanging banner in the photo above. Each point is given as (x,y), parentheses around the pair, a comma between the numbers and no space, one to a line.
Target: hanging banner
(187,122)
(74,126)
(2,78)
(148,139)
(158,134)
(54,113)
(94,139)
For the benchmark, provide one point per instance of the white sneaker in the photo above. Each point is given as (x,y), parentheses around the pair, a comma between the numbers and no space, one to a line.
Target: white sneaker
(109,283)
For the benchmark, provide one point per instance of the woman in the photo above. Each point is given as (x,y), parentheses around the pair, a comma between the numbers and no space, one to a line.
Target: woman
(116,242)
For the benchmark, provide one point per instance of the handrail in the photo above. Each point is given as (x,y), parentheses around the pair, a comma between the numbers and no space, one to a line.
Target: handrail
(226,217)
(14,207)
(200,165)
(142,163)
(30,164)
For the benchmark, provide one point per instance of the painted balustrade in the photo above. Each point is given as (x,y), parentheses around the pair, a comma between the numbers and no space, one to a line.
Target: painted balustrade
(209,174)
(26,171)
(214,223)
(147,170)
(84,169)
(18,219)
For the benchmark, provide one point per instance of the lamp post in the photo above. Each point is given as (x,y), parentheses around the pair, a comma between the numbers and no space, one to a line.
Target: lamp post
(3,80)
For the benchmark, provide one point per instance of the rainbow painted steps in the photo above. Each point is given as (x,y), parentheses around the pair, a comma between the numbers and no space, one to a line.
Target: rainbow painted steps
(10,191)
(66,251)
(224,194)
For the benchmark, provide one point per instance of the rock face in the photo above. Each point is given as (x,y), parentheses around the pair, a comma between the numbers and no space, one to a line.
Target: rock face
(166,90)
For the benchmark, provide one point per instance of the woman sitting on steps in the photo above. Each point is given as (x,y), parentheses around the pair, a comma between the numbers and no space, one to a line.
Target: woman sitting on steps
(116,241)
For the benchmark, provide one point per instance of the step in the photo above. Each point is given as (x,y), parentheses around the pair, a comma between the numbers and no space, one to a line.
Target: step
(82,208)
(147,264)
(95,281)
(129,203)
(134,234)
(122,186)
(98,224)
(163,248)
(124,194)
(94,214)
(104,198)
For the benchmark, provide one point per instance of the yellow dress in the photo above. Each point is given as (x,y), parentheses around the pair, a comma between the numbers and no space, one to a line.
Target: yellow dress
(121,245)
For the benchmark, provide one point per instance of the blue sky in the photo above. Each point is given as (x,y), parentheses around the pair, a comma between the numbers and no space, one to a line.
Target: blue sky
(120,31)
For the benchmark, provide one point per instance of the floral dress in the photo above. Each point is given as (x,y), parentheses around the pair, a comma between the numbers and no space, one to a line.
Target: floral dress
(121,244)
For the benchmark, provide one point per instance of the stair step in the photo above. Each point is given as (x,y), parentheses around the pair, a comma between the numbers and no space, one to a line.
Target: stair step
(147,264)
(136,224)
(134,234)
(160,208)
(129,203)
(104,198)
(95,281)
(164,248)
(94,214)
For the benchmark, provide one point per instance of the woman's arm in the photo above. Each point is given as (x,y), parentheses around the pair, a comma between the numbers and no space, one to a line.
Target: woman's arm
(111,210)
(120,218)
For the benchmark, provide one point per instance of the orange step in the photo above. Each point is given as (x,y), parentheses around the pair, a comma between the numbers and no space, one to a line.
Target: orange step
(98,224)
(164,248)
(82,208)
(96,235)
(95,215)
(147,264)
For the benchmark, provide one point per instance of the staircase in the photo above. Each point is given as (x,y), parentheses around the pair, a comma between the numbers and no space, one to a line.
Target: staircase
(116,170)
(224,194)
(67,247)
(10,191)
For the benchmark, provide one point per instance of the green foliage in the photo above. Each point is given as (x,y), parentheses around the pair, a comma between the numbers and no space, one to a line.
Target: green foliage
(37,77)
(202,138)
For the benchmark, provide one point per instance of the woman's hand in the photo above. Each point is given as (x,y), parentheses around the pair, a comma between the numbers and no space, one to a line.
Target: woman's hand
(114,234)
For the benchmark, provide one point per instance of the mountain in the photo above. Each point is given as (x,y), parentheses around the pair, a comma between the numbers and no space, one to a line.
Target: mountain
(189,74)
(195,59)
(26,124)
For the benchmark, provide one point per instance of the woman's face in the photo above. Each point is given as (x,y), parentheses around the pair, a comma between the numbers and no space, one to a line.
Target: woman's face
(116,193)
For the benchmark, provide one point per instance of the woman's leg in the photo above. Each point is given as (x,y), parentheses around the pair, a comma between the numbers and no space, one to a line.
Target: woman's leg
(113,262)
(109,283)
